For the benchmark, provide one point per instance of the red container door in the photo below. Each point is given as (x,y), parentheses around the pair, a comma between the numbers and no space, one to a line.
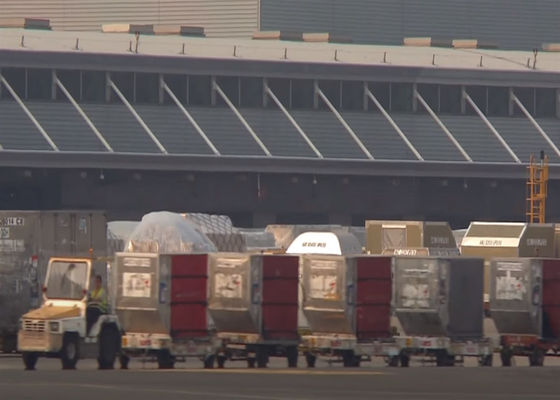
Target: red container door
(280,296)
(189,277)
(551,298)
(373,297)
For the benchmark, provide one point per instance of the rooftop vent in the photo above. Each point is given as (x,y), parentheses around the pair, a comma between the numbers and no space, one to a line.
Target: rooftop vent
(325,37)
(474,44)
(427,42)
(27,23)
(149,29)
(278,35)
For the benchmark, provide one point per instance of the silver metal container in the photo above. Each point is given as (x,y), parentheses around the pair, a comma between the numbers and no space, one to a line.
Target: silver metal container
(235,290)
(439,296)
(326,296)
(516,286)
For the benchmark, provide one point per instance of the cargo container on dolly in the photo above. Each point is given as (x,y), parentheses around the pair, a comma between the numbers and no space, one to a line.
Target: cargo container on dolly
(525,306)
(161,303)
(346,305)
(253,304)
(439,304)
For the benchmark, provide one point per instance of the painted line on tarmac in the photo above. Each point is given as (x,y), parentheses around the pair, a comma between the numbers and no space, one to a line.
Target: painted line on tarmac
(264,372)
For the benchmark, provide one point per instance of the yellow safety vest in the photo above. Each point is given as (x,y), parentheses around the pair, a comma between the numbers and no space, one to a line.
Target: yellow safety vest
(98,296)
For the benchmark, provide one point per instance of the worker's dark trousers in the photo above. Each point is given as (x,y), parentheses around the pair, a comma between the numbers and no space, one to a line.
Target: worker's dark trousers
(92,315)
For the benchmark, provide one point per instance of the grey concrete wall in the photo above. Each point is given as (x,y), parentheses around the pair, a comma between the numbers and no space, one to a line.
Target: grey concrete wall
(514,24)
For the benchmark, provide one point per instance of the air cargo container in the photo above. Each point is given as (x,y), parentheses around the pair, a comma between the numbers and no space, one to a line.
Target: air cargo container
(253,303)
(438,302)
(27,240)
(507,239)
(347,304)
(209,306)
(525,306)
(161,303)
(410,238)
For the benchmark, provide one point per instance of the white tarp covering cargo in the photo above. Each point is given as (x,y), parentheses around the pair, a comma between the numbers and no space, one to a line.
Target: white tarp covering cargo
(169,233)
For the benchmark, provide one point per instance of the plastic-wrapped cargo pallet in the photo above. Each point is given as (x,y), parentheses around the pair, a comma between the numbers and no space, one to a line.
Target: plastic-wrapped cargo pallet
(168,233)
(219,229)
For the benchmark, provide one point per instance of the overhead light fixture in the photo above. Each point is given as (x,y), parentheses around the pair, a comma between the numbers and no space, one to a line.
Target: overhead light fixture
(314,180)
(101,176)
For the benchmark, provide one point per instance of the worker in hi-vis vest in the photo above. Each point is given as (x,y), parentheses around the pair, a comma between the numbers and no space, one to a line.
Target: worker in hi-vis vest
(97,302)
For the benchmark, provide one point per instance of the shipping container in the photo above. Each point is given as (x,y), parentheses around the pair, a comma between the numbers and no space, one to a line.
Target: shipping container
(439,296)
(27,240)
(253,302)
(346,303)
(525,306)
(410,238)
(211,306)
(438,302)
(161,304)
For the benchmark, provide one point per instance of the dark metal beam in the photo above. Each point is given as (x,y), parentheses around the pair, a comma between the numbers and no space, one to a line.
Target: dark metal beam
(156,162)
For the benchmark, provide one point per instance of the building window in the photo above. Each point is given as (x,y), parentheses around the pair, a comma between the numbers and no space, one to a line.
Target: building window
(352,95)
(178,84)
(93,86)
(401,97)
(527,97)
(124,81)
(331,89)
(382,92)
(498,101)
(303,94)
(450,99)
(545,103)
(147,88)
(72,81)
(478,94)
(199,90)
(39,84)
(230,86)
(17,78)
(251,92)
(430,94)
(282,89)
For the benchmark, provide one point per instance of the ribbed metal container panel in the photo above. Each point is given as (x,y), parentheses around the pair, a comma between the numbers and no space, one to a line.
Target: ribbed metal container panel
(514,24)
(226,18)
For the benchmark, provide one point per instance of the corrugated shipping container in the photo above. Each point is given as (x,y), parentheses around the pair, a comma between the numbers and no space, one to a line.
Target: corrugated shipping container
(439,296)
(220,18)
(347,295)
(27,240)
(525,296)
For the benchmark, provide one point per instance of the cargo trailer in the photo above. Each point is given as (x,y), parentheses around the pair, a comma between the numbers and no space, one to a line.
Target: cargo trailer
(525,306)
(438,302)
(253,303)
(161,303)
(27,240)
(346,301)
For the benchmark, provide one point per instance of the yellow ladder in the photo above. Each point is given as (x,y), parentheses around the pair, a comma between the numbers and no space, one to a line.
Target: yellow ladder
(537,189)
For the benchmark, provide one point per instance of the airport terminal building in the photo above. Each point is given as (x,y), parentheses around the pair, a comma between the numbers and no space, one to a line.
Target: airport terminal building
(304,130)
